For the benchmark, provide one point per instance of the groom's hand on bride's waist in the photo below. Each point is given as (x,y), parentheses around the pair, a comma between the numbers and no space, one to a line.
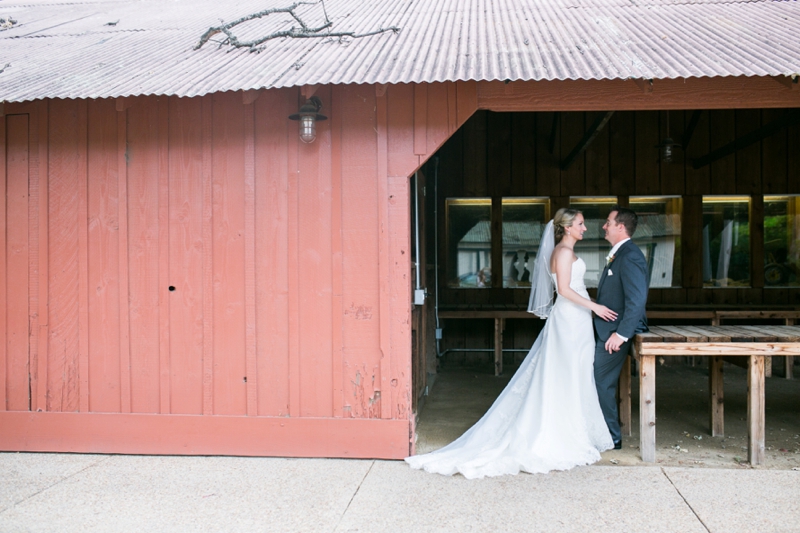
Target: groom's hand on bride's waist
(614,342)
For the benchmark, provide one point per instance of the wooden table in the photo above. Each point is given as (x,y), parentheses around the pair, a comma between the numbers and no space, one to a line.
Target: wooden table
(716,342)
(501,312)
(789,315)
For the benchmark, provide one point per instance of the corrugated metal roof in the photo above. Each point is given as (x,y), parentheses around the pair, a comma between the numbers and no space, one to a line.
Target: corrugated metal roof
(113,48)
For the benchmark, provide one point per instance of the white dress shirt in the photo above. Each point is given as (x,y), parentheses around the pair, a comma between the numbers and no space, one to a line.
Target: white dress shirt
(616,246)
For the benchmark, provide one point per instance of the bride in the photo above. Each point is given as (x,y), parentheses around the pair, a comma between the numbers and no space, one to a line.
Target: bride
(548,417)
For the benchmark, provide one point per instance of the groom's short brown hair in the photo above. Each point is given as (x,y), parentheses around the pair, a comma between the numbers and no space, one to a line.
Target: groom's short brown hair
(626,217)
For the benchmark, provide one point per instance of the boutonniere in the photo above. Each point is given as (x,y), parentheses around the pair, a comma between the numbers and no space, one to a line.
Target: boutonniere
(609,259)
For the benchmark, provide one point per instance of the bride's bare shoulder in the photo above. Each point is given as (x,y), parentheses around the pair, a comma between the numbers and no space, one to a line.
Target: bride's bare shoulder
(562,255)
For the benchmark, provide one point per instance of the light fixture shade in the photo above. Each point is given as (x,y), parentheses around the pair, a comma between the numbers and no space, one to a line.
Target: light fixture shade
(666,150)
(308,115)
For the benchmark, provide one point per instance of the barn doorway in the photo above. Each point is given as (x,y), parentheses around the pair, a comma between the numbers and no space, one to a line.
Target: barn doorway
(687,170)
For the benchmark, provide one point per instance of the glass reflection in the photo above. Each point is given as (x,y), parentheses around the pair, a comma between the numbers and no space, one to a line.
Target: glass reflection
(469,243)
(658,236)
(523,223)
(782,241)
(726,241)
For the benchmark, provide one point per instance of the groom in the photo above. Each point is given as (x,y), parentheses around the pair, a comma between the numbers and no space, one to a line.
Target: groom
(622,288)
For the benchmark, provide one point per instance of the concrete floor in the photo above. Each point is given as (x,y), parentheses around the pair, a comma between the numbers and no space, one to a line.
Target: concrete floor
(65,493)
(461,395)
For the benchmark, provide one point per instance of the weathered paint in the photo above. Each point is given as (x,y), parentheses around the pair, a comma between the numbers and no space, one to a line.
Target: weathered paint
(193,259)
(290,313)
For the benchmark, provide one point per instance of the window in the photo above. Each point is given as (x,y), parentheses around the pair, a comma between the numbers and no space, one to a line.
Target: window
(469,242)
(782,241)
(726,241)
(523,223)
(594,247)
(658,236)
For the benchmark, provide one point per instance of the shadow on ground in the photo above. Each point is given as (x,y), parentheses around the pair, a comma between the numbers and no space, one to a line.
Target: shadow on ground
(461,395)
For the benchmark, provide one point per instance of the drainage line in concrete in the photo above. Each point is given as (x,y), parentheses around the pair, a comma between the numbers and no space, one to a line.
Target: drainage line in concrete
(50,486)
(684,499)
(353,497)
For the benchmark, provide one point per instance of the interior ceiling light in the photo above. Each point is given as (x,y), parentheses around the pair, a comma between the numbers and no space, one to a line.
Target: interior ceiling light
(666,148)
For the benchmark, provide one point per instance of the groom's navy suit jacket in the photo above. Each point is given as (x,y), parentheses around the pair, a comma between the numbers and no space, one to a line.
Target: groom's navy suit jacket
(623,288)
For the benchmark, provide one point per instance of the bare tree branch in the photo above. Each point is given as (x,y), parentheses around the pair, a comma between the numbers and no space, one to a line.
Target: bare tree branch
(8,23)
(304,32)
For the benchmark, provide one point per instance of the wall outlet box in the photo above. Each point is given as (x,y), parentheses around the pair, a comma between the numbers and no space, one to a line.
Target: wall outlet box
(419,297)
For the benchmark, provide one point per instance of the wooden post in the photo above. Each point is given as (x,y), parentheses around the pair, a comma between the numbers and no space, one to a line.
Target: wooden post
(625,398)
(717,396)
(498,346)
(788,361)
(647,407)
(755,410)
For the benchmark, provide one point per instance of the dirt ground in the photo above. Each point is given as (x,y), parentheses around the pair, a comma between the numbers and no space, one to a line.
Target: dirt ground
(460,395)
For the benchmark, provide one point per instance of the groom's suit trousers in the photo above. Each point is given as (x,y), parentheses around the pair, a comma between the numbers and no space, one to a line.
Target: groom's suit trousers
(607,367)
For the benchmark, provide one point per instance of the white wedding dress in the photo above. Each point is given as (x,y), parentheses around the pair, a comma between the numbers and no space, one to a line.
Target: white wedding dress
(548,417)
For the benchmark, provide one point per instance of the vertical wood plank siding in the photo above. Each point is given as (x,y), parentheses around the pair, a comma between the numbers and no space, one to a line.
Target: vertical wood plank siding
(16,262)
(4,359)
(39,325)
(287,329)
(186,255)
(63,284)
(189,256)
(314,270)
(227,175)
(272,251)
(34,259)
(103,290)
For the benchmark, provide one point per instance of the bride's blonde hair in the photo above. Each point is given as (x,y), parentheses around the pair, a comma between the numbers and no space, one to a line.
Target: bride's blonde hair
(563,219)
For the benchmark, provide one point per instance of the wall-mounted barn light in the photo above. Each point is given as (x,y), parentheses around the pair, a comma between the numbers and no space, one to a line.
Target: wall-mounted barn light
(308,116)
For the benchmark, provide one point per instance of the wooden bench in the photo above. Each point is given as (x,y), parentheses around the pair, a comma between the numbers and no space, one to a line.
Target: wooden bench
(715,342)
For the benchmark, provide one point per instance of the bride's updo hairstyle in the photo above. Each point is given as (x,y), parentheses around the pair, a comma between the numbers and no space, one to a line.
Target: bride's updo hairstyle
(563,220)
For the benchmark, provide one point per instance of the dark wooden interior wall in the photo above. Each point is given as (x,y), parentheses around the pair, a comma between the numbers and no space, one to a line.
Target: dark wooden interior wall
(508,154)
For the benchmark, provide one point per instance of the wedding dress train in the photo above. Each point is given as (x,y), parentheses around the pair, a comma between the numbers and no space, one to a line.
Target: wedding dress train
(548,417)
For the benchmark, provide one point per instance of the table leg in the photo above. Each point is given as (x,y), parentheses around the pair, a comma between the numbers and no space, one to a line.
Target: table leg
(717,393)
(755,410)
(647,407)
(768,366)
(498,346)
(788,361)
(625,398)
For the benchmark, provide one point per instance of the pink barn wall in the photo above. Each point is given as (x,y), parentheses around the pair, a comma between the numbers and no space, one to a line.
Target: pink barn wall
(184,276)
(288,329)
